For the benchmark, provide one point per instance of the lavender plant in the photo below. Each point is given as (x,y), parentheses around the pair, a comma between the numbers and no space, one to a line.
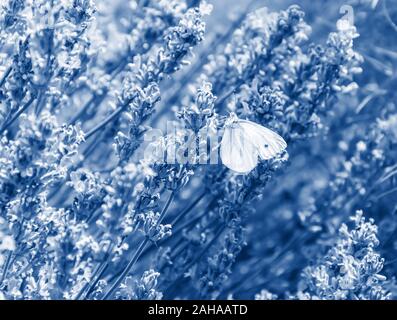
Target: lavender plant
(112,117)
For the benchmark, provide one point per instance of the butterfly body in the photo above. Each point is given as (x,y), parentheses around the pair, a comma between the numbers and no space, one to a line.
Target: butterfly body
(245,142)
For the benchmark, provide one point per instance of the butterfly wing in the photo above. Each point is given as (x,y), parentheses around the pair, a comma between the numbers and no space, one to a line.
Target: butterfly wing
(267,142)
(237,152)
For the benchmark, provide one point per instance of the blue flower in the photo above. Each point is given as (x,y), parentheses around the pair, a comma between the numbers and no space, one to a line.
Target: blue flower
(351,268)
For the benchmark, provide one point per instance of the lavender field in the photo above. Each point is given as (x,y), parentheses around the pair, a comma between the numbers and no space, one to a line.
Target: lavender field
(187,149)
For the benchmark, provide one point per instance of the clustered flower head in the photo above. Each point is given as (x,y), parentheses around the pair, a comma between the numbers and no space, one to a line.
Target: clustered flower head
(351,268)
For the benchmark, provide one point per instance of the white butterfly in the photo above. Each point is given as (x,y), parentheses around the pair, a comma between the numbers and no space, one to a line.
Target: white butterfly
(244,142)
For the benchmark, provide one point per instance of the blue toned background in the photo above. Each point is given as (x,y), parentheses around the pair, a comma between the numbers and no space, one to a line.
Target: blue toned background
(83,216)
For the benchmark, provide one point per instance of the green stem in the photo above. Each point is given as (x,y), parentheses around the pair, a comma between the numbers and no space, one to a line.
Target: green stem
(219,231)
(6,265)
(295,240)
(126,270)
(16,115)
(166,206)
(387,15)
(139,251)
(82,110)
(185,225)
(5,76)
(188,209)
(107,120)
(91,285)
